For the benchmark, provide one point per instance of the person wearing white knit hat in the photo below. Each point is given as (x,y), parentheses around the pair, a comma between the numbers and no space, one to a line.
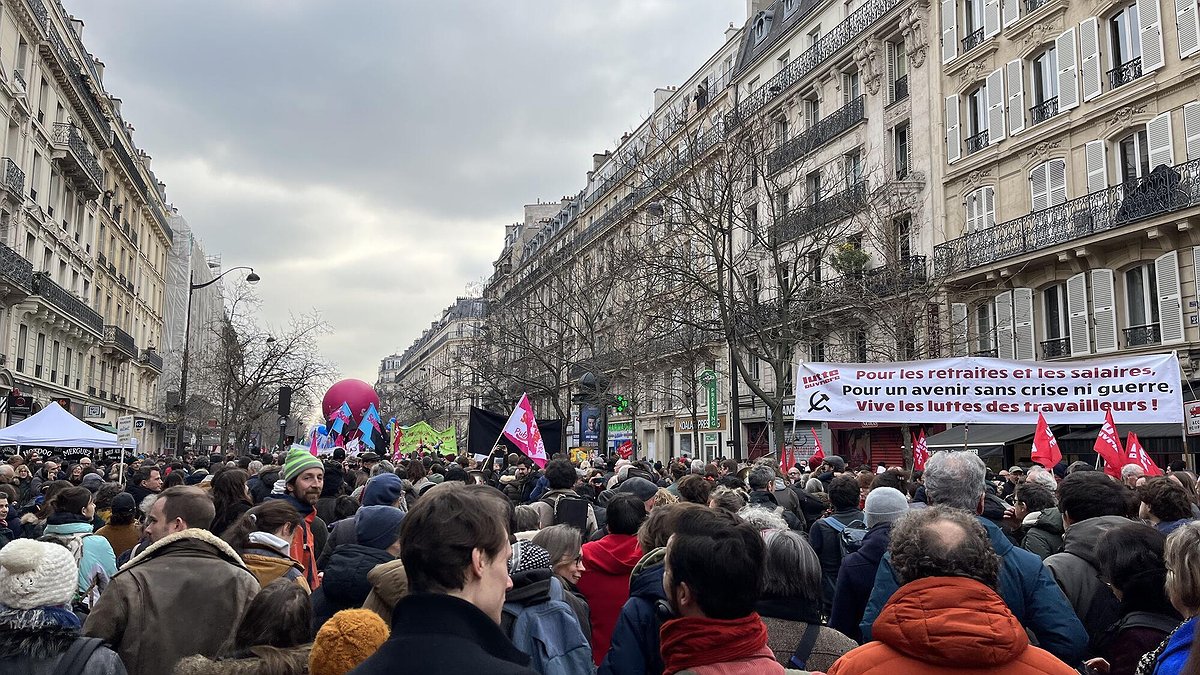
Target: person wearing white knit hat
(856,577)
(38,631)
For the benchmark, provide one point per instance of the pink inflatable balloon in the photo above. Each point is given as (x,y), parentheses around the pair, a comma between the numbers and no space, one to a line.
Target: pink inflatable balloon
(358,394)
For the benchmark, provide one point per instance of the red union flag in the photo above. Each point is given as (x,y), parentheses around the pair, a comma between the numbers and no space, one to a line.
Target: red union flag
(522,430)
(1138,455)
(1045,446)
(1108,446)
(920,452)
(819,455)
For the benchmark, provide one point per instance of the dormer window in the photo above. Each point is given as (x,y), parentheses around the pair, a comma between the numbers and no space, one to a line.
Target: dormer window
(789,7)
(762,26)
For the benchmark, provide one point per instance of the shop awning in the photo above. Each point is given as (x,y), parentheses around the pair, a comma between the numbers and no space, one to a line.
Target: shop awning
(1142,431)
(984,439)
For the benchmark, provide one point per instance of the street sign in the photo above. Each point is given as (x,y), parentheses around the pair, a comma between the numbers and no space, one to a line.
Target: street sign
(709,379)
(1191,412)
(93,411)
(124,429)
(139,424)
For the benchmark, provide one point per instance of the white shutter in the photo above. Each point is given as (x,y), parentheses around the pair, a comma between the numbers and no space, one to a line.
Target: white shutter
(1170,302)
(949,30)
(991,18)
(1104,310)
(1077,314)
(1191,129)
(1016,97)
(891,71)
(1068,71)
(1004,325)
(1056,181)
(1187,25)
(995,104)
(1089,57)
(1023,324)
(1097,168)
(973,205)
(1150,24)
(987,216)
(1039,188)
(1159,138)
(953,132)
(1011,9)
(958,328)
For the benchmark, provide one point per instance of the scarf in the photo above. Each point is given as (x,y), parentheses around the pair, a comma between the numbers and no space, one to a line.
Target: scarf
(698,641)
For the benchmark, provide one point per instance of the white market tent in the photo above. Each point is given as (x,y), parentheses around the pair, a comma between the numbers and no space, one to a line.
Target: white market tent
(53,427)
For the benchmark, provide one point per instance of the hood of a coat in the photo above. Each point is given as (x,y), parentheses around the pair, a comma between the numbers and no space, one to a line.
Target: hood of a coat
(875,543)
(1049,520)
(951,622)
(646,582)
(1082,537)
(390,581)
(530,587)
(615,554)
(346,574)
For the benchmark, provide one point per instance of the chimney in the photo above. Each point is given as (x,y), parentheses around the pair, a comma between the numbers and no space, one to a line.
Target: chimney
(77,26)
(99,68)
(730,32)
(599,159)
(116,104)
(662,95)
(145,159)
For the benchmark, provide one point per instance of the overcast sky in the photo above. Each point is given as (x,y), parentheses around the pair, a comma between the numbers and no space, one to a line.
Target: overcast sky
(365,157)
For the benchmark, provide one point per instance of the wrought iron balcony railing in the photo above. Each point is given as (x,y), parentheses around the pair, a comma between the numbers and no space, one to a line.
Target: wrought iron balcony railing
(66,134)
(900,88)
(1032,6)
(977,142)
(884,281)
(1056,348)
(1043,111)
(14,177)
(972,40)
(1125,73)
(1165,190)
(990,353)
(15,268)
(830,209)
(38,9)
(77,77)
(833,125)
(152,359)
(66,302)
(122,341)
(1137,336)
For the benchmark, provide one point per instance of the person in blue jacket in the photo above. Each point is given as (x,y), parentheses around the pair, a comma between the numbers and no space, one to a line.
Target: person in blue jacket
(956,479)
(1182,557)
(634,647)
(70,524)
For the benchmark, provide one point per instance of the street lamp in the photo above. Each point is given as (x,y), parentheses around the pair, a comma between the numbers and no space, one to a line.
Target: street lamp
(251,278)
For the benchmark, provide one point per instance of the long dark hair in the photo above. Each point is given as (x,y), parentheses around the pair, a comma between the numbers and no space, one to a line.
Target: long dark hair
(266,517)
(280,616)
(1134,565)
(229,488)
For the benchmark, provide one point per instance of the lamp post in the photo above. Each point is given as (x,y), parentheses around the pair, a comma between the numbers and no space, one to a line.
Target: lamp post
(251,278)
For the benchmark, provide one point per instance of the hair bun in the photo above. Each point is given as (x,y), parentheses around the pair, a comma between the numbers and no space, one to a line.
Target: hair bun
(21,555)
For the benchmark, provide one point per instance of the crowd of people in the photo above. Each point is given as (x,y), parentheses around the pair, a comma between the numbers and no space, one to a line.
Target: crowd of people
(292,563)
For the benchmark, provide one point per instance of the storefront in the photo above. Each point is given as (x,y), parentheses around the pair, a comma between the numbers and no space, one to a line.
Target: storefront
(711,438)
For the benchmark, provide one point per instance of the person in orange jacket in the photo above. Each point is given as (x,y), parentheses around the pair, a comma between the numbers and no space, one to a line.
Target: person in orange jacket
(303,476)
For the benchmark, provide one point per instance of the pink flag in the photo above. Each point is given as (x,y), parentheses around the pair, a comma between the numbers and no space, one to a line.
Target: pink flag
(920,452)
(819,455)
(522,430)
(1045,446)
(1108,446)
(1138,455)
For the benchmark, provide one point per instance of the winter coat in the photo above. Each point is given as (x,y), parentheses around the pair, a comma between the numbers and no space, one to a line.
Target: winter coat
(267,565)
(826,541)
(162,605)
(1043,532)
(634,648)
(948,625)
(121,537)
(1175,655)
(1077,571)
(810,506)
(787,619)
(768,501)
(1137,633)
(434,633)
(97,563)
(389,583)
(345,584)
(1026,586)
(607,565)
(139,493)
(229,516)
(33,642)
(855,580)
(252,663)
(309,539)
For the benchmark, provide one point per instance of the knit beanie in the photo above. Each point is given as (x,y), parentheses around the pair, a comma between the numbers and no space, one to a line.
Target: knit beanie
(298,461)
(384,489)
(885,505)
(36,574)
(527,555)
(346,640)
(124,503)
(378,526)
(638,486)
(92,482)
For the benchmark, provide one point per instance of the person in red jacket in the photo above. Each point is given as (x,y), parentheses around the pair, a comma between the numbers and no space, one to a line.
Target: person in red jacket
(608,563)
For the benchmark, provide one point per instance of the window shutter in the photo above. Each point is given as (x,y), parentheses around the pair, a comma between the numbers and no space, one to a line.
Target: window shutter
(958,328)
(1187,23)
(1158,136)
(1191,129)
(973,211)
(949,30)
(1170,303)
(1016,97)
(991,18)
(1011,9)
(891,71)
(1104,310)
(995,104)
(987,216)
(1089,55)
(1004,325)
(1023,324)
(1097,169)
(1077,313)
(1039,188)
(953,133)
(1068,72)
(1150,22)
(1056,181)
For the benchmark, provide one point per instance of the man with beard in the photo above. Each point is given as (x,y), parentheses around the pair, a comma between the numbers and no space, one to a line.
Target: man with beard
(304,476)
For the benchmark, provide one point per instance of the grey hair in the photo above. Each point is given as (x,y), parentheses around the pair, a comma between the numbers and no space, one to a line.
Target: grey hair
(382,467)
(526,517)
(1131,470)
(955,479)
(1043,477)
(561,541)
(760,477)
(762,518)
(814,485)
(793,570)
(255,466)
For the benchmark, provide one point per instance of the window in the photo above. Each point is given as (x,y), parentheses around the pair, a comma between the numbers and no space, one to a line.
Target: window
(762,26)
(782,203)
(814,267)
(903,228)
(1134,156)
(812,186)
(755,369)
(906,344)
(54,352)
(22,56)
(816,352)
(39,355)
(1045,85)
(851,86)
(1141,294)
(22,342)
(859,342)
(981,209)
(814,36)
(67,370)
(783,60)
(781,130)
(752,86)
(752,223)
(901,150)
(985,323)
(752,287)
(977,119)
(789,7)
(972,24)
(812,111)
(897,65)
(854,168)
(1124,40)
(1054,304)
(34,173)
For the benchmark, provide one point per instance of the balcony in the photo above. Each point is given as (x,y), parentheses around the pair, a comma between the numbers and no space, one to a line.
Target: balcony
(906,274)
(67,71)
(977,142)
(153,359)
(101,261)
(829,210)
(14,179)
(15,269)
(1043,111)
(1165,190)
(1125,73)
(1032,6)
(833,125)
(900,89)
(78,163)
(118,341)
(972,40)
(67,303)
(1056,348)
(1139,336)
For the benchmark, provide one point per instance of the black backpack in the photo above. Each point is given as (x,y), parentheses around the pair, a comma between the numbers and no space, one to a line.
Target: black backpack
(570,509)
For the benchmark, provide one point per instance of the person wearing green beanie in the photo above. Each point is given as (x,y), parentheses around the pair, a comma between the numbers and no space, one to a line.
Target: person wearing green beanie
(304,476)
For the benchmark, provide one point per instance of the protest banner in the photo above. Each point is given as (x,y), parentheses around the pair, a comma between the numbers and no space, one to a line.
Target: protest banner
(973,390)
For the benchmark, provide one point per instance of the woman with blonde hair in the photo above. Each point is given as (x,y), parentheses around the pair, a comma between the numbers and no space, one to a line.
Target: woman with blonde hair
(1182,558)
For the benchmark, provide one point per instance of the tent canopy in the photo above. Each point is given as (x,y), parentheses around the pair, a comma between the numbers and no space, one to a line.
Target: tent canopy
(53,427)
(985,439)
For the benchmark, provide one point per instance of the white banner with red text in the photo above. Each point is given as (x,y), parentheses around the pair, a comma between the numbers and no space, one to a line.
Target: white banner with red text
(976,390)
